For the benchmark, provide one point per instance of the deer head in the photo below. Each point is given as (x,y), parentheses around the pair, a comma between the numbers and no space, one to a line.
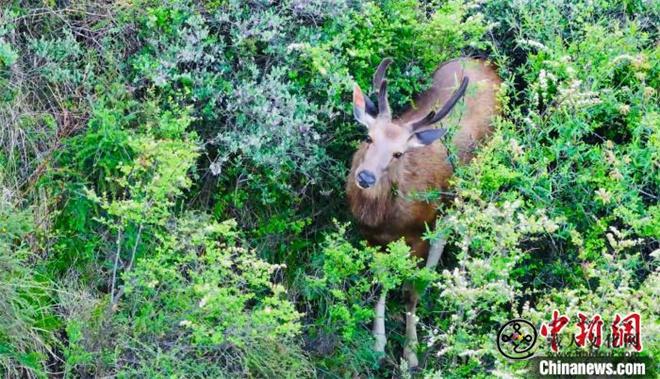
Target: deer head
(388,139)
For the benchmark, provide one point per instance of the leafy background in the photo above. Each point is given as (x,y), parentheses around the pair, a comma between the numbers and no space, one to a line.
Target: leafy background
(171,184)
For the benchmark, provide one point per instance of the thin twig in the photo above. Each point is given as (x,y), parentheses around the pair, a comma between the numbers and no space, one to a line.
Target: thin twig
(115,267)
(137,242)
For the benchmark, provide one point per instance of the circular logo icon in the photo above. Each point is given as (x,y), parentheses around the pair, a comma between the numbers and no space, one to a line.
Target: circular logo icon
(516,339)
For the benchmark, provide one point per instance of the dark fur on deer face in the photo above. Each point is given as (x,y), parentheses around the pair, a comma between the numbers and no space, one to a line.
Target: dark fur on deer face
(388,140)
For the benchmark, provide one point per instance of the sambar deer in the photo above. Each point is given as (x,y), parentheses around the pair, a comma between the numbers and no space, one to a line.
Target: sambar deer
(399,158)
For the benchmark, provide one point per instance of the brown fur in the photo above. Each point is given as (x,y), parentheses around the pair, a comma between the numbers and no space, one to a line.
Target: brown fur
(385,212)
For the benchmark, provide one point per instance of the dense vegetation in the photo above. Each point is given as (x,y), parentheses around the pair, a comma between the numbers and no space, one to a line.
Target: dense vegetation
(171,184)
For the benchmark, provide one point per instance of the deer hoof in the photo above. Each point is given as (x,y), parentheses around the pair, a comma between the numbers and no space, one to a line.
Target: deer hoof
(411,358)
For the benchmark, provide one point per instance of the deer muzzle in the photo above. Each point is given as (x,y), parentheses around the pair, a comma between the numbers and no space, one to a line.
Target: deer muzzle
(366,179)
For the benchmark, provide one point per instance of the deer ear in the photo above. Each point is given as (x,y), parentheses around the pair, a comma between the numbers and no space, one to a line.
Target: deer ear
(427,137)
(360,107)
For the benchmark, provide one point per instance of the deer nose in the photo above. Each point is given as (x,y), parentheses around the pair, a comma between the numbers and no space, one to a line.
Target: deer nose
(366,179)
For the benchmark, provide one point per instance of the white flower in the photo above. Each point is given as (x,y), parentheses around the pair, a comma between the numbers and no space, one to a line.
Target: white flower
(185,323)
(604,195)
(616,174)
(216,168)
(533,43)
(515,147)
(655,254)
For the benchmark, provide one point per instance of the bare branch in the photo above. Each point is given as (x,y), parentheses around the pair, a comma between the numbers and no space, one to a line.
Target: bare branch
(434,117)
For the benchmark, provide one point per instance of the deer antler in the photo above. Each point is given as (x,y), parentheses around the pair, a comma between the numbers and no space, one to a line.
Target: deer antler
(379,75)
(383,104)
(380,87)
(434,117)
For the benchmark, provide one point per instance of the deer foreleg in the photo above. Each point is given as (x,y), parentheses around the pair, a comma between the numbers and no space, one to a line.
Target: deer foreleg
(409,351)
(435,252)
(379,323)
(410,348)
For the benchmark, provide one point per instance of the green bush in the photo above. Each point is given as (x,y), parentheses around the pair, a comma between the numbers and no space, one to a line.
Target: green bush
(27,321)
(571,162)
(199,305)
(342,286)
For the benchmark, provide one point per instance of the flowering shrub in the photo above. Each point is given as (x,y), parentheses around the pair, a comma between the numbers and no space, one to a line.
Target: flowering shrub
(555,212)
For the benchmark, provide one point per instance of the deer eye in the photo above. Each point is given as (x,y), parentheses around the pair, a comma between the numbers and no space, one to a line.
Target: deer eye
(368,140)
(397,154)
